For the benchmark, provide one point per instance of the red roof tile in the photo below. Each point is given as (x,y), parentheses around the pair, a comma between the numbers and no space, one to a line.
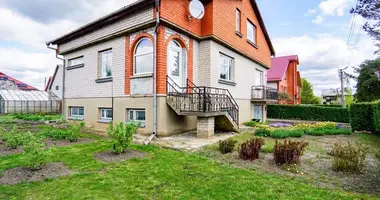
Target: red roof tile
(279,67)
(20,85)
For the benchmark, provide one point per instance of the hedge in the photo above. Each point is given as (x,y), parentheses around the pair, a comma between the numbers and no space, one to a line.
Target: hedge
(361,117)
(376,116)
(314,113)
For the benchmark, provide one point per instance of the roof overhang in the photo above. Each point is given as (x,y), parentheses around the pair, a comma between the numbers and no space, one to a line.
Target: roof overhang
(106,20)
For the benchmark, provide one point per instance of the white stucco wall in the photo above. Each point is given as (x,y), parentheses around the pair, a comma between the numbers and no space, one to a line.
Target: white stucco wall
(58,83)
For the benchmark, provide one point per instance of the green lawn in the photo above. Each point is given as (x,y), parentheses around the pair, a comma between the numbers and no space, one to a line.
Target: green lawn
(163,174)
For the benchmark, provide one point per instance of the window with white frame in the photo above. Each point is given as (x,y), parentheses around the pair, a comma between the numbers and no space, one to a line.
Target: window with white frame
(259,77)
(226,67)
(76,112)
(143,57)
(76,61)
(238,14)
(105,64)
(136,115)
(251,32)
(106,114)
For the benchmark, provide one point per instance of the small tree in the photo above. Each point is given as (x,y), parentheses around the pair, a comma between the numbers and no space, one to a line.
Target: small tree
(307,93)
(74,131)
(35,153)
(122,135)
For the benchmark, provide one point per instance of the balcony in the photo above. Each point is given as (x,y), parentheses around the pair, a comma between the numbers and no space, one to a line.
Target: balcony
(264,94)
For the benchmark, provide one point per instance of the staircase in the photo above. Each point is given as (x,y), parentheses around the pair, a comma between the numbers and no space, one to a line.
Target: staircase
(205,102)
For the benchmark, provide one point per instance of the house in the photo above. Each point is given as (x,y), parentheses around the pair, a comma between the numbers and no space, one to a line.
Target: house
(9,83)
(154,63)
(55,82)
(286,79)
(332,96)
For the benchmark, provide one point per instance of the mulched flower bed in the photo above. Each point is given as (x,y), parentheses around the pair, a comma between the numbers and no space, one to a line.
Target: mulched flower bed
(109,156)
(50,142)
(21,174)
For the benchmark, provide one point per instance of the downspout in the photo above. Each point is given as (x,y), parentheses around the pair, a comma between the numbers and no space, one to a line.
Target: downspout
(157,5)
(63,76)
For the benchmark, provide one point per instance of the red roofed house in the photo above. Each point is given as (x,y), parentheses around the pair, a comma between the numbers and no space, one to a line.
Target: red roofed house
(285,77)
(6,82)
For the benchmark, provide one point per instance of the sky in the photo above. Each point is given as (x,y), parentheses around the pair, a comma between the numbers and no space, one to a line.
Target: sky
(315,30)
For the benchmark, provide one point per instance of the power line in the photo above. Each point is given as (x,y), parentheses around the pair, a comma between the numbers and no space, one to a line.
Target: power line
(352,28)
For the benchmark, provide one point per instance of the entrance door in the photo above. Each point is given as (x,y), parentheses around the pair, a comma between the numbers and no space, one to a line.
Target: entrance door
(258,112)
(176,64)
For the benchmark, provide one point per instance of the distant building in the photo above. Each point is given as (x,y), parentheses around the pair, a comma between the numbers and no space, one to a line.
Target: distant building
(331,96)
(55,82)
(285,77)
(9,83)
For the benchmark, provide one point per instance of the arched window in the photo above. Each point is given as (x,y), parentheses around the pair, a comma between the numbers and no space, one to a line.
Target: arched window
(143,56)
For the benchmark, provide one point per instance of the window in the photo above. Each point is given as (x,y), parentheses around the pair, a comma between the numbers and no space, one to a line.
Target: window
(259,77)
(225,67)
(143,57)
(76,61)
(105,63)
(137,116)
(238,14)
(57,87)
(77,112)
(106,114)
(251,32)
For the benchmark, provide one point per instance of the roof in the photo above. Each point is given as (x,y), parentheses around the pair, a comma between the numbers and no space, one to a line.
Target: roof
(20,85)
(21,95)
(105,20)
(140,4)
(279,67)
(52,78)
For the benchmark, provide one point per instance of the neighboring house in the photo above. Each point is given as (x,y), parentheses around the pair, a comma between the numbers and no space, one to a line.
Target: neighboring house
(286,79)
(206,70)
(332,96)
(55,82)
(9,83)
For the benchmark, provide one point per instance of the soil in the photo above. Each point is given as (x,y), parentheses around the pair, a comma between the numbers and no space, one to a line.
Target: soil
(49,142)
(109,156)
(5,151)
(21,174)
(315,166)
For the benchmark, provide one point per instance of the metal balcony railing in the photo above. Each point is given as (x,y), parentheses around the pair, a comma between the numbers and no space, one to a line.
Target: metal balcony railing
(264,93)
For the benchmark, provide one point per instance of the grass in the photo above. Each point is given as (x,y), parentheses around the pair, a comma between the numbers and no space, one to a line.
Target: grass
(163,174)
(6,119)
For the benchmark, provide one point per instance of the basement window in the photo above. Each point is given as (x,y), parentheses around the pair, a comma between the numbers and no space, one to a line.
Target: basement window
(106,114)
(136,115)
(77,113)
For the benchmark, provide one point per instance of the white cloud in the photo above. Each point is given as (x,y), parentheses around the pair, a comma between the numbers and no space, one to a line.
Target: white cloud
(322,55)
(318,20)
(311,12)
(334,7)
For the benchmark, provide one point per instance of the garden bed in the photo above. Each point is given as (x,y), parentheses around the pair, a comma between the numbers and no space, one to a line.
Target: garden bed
(109,156)
(315,166)
(49,142)
(21,174)
(5,151)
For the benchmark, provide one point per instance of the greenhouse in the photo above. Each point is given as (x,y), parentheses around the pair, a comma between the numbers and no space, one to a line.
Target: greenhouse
(19,101)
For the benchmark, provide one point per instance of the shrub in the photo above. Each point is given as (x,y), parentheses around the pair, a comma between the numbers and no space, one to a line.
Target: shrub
(121,135)
(3,133)
(267,148)
(316,113)
(14,138)
(283,133)
(227,146)
(35,154)
(349,158)
(327,131)
(74,131)
(251,123)
(376,116)
(249,150)
(263,132)
(288,152)
(361,117)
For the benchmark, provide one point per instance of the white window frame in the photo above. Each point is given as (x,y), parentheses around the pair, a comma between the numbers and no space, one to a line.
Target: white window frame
(102,69)
(261,77)
(238,21)
(76,61)
(251,32)
(229,66)
(104,117)
(76,116)
(134,111)
(140,55)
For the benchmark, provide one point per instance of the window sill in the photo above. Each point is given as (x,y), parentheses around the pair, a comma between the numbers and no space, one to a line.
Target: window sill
(75,118)
(103,80)
(221,81)
(253,44)
(239,34)
(144,75)
(74,67)
(104,121)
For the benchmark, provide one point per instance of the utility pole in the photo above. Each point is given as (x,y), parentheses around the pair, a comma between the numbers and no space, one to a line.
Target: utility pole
(341,74)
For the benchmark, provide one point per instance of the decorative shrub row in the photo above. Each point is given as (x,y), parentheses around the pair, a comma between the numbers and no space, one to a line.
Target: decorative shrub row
(365,117)
(314,113)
